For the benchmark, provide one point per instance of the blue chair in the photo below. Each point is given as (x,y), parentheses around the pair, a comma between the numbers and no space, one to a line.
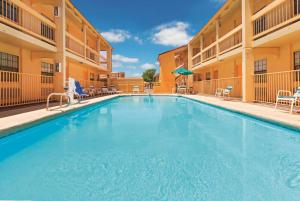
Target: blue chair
(79,91)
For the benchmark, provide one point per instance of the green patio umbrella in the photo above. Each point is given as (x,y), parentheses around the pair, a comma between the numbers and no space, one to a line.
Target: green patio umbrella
(182,71)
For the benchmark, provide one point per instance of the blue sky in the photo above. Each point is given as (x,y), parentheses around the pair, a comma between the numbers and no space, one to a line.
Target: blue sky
(139,30)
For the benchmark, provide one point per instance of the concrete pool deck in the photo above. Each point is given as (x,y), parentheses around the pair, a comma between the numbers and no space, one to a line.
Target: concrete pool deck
(17,122)
(281,117)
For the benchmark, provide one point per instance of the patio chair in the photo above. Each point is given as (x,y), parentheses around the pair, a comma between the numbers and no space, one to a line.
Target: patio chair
(135,89)
(286,96)
(91,91)
(219,92)
(227,91)
(79,91)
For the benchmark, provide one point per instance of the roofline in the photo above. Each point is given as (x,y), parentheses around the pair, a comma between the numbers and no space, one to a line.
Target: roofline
(177,48)
(215,17)
(70,3)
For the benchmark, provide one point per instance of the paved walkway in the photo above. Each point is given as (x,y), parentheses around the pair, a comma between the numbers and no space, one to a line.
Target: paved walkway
(256,110)
(19,121)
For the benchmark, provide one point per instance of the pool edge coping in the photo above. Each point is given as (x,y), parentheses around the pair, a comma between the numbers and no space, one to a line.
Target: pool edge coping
(10,130)
(18,127)
(283,124)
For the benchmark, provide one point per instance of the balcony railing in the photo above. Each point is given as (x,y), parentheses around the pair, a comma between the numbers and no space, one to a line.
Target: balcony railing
(231,40)
(277,14)
(22,88)
(17,14)
(209,87)
(266,86)
(92,55)
(196,60)
(209,52)
(74,45)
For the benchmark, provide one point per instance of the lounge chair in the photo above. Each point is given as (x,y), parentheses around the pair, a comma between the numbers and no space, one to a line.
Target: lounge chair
(286,96)
(79,91)
(115,90)
(105,91)
(135,89)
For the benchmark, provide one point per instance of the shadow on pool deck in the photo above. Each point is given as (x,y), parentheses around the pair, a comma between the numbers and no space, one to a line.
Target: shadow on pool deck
(14,110)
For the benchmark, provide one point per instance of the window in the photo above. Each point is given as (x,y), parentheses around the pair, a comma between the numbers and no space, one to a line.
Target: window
(47,72)
(9,10)
(207,76)
(297,60)
(47,69)
(92,76)
(197,77)
(9,62)
(260,67)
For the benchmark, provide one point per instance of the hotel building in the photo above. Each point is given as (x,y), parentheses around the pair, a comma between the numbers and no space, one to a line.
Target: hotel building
(42,44)
(252,45)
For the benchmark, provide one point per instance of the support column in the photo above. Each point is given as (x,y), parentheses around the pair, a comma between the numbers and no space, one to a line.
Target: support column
(201,47)
(60,58)
(85,40)
(109,66)
(190,64)
(217,38)
(247,52)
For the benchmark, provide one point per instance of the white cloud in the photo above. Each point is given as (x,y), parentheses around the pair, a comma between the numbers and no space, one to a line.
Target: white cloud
(172,34)
(148,66)
(124,59)
(135,74)
(138,40)
(116,35)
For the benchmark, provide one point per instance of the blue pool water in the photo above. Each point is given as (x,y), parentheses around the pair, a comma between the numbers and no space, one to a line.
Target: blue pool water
(151,149)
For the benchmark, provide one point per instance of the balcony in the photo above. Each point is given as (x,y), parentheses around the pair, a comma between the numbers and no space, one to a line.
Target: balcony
(209,52)
(274,16)
(18,15)
(196,60)
(92,55)
(231,40)
(74,45)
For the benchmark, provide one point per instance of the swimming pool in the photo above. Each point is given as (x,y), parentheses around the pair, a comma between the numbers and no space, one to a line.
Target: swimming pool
(151,148)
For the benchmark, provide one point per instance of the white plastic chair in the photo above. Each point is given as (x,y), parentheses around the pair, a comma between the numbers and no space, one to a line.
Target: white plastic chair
(286,96)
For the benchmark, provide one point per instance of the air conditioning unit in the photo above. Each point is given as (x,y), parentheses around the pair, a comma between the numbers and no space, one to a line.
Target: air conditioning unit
(56,11)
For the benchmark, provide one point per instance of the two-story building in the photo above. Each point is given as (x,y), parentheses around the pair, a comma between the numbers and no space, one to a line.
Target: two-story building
(42,43)
(169,61)
(252,45)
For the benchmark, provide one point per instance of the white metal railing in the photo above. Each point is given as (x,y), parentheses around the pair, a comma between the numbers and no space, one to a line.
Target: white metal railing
(22,88)
(209,87)
(209,53)
(74,45)
(267,85)
(17,14)
(231,41)
(274,16)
